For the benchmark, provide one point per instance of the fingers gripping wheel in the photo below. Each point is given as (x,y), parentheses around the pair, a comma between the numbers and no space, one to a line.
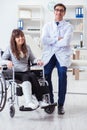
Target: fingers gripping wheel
(12,111)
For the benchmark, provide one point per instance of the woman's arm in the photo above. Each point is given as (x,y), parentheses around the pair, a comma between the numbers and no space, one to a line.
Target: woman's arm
(5,58)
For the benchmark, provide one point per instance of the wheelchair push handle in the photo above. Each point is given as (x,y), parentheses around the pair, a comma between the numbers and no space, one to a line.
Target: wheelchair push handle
(33,64)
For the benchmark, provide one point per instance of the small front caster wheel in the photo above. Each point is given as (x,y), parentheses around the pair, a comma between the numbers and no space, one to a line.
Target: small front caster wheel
(12,111)
(49,110)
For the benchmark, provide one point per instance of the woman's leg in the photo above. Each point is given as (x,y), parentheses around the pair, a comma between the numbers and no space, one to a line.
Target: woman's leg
(27,90)
(38,90)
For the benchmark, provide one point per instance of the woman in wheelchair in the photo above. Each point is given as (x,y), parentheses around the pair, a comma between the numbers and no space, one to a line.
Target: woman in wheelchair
(19,55)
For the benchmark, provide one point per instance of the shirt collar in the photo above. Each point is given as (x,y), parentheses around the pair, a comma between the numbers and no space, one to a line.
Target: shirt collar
(60,22)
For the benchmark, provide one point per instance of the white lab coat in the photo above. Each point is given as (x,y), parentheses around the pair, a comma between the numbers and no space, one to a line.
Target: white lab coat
(51,45)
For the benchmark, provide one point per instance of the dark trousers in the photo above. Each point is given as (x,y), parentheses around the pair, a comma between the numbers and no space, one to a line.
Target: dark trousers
(38,90)
(62,79)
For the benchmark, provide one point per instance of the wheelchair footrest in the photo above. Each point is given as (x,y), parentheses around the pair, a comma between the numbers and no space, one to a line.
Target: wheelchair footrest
(22,108)
(50,105)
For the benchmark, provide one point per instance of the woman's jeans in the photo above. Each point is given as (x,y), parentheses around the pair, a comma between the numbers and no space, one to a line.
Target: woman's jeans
(62,79)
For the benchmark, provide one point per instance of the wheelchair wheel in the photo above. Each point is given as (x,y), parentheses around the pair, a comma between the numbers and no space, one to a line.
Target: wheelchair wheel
(49,110)
(12,111)
(3,92)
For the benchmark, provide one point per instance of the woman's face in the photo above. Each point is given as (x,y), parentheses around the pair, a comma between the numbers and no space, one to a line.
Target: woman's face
(20,40)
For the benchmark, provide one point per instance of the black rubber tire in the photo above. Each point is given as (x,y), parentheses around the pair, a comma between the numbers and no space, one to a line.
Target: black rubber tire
(12,111)
(3,92)
(49,110)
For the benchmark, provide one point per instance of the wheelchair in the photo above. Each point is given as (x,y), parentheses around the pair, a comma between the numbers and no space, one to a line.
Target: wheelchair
(7,80)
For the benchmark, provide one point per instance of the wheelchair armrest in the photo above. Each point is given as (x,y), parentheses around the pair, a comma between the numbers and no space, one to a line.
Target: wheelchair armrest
(36,67)
(4,67)
(33,64)
(38,70)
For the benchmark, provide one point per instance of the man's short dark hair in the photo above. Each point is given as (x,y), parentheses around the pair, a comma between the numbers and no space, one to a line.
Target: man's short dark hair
(60,4)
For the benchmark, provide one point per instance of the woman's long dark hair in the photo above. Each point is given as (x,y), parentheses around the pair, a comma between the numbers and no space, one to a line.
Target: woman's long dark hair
(15,34)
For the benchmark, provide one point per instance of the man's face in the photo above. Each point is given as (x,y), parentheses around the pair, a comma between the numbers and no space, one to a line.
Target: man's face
(59,13)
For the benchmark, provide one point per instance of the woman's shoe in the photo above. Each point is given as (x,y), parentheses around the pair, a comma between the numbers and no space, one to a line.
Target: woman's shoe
(29,107)
(32,105)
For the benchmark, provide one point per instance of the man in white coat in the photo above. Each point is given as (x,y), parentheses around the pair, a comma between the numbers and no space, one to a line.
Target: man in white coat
(56,38)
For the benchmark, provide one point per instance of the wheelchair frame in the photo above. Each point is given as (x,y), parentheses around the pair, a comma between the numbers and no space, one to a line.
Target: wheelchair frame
(12,84)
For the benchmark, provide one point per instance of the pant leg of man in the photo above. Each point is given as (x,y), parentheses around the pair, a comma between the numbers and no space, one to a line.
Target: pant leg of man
(48,75)
(62,83)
